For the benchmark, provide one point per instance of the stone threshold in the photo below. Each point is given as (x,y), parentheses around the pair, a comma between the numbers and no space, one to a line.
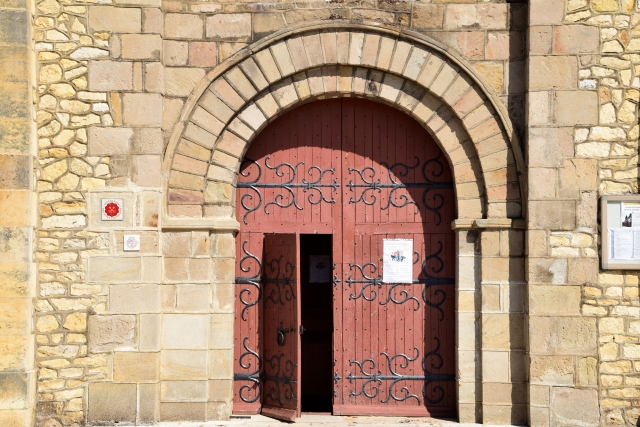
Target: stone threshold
(308,420)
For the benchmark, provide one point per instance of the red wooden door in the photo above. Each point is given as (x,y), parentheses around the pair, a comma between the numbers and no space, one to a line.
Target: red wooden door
(362,172)
(281,339)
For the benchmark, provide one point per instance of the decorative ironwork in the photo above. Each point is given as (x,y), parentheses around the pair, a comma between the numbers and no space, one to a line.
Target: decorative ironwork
(430,281)
(427,280)
(281,279)
(373,379)
(254,281)
(253,377)
(403,293)
(282,382)
(314,186)
(369,282)
(371,185)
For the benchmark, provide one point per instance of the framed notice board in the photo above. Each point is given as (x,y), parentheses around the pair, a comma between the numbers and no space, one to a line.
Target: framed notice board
(620,232)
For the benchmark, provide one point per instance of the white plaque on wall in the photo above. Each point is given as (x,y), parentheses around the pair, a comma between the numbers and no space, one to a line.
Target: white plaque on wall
(397,261)
(131,242)
(112,209)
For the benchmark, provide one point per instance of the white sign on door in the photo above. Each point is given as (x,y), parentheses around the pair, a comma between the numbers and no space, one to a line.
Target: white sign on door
(397,261)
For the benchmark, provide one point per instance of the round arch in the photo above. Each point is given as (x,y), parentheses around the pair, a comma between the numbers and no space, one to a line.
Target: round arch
(235,101)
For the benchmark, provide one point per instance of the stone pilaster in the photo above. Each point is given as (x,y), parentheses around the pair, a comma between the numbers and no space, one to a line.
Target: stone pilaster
(17,382)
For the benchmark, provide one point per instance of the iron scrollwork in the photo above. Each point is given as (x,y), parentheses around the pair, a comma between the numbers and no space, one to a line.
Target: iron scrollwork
(373,377)
(253,377)
(370,184)
(314,186)
(254,281)
(281,383)
(369,282)
(281,281)
(427,280)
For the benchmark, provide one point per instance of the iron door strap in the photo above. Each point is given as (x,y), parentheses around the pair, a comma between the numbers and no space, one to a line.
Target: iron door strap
(282,332)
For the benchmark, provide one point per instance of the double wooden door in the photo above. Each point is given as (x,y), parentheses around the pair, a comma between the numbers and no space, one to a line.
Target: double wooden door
(363,173)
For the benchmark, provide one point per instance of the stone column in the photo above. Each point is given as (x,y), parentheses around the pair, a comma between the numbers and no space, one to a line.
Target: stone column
(490,329)
(16,216)
(469,368)
(502,330)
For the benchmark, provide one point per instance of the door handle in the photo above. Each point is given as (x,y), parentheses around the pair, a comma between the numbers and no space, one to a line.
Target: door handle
(282,332)
(302,329)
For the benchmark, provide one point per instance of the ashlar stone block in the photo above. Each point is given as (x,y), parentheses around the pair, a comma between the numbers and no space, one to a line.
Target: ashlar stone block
(109,402)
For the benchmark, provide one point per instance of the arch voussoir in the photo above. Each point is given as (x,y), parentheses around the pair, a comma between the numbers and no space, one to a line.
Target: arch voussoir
(413,77)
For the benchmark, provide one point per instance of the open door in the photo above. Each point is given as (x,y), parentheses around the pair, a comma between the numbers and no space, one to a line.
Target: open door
(281,342)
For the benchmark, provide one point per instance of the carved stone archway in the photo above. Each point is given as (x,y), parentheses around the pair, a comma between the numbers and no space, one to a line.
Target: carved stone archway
(254,87)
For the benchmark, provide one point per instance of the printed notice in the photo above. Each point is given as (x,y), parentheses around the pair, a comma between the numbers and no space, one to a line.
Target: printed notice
(622,243)
(397,264)
(630,214)
(319,268)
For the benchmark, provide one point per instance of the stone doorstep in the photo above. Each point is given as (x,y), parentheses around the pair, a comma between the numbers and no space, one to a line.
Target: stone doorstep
(328,421)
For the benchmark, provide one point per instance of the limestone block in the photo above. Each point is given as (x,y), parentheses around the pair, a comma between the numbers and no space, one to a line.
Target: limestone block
(553,72)
(235,26)
(134,299)
(565,113)
(575,407)
(487,16)
(549,146)
(552,370)
(495,366)
(572,39)
(110,402)
(193,298)
(185,391)
(502,331)
(15,352)
(221,364)
(110,75)
(183,364)
(149,401)
(176,244)
(549,299)
(115,19)
(174,325)
(183,26)
(175,52)
(14,279)
(183,411)
(142,109)
(147,171)
(109,141)
(15,172)
(543,12)
(110,269)
(15,388)
(106,333)
(563,217)
(141,46)
(203,54)
(220,390)
(181,81)
(132,366)
(587,371)
(149,332)
(505,414)
(221,331)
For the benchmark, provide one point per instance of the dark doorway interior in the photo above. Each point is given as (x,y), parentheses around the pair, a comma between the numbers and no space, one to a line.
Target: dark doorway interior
(317,320)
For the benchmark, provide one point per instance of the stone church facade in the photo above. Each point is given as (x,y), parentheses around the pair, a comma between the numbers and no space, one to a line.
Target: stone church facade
(154,103)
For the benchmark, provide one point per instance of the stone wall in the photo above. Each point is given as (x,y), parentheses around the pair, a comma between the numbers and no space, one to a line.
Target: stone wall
(112,81)
(582,143)
(17,376)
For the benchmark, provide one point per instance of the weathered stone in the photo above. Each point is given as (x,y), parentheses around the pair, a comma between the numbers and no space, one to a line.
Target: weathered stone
(110,402)
(106,333)
(577,407)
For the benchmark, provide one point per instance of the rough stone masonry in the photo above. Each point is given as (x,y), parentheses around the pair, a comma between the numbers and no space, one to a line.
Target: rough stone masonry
(154,102)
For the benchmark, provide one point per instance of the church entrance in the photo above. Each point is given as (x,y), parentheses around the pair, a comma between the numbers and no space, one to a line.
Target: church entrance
(345,266)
